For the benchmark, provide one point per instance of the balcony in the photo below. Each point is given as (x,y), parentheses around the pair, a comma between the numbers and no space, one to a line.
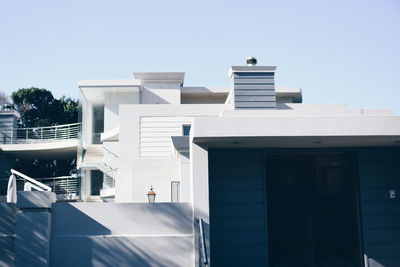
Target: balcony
(57,141)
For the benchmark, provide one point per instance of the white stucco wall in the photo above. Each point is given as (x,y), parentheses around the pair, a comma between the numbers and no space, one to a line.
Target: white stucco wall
(283,123)
(111,154)
(156,132)
(112,101)
(121,234)
(136,174)
(161,93)
(87,124)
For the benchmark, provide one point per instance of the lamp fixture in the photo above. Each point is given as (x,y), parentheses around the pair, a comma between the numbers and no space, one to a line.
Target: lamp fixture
(151,195)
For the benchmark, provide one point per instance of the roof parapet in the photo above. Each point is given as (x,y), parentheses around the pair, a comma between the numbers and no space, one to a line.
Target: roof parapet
(160,77)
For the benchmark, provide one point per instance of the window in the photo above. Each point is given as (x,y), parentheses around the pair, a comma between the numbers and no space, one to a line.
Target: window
(96,182)
(98,124)
(175,191)
(186,130)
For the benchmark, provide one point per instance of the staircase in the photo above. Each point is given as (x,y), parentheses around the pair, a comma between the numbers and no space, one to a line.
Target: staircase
(94,153)
(94,158)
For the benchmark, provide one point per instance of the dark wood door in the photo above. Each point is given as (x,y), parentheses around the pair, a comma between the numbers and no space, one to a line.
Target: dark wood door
(312,214)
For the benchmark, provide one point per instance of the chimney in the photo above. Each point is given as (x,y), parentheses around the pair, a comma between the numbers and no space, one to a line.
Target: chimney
(254,86)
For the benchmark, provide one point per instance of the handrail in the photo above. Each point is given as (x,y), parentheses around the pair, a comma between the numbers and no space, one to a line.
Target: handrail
(58,177)
(203,243)
(40,134)
(31,180)
(110,152)
(62,184)
(54,126)
(111,170)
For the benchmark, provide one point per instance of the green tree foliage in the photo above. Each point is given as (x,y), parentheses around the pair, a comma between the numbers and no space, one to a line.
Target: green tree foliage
(39,108)
(46,168)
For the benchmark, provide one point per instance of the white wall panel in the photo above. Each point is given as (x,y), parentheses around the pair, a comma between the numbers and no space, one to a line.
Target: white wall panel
(155,135)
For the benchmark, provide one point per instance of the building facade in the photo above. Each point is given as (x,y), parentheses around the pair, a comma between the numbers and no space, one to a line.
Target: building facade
(244,175)
(277,182)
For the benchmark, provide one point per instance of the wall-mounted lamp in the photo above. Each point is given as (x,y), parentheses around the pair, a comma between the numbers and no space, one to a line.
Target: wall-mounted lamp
(151,195)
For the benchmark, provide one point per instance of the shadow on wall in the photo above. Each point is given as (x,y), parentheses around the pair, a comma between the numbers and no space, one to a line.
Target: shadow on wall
(142,251)
(70,245)
(7,233)
(121,234)
(149,97)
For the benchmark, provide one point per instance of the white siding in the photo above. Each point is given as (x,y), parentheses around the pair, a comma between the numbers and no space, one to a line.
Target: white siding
(155,135)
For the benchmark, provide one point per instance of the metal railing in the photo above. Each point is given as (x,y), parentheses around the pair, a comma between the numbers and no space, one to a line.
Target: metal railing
(40,134)
(110,152)
(62,184)
(202,243)
(108,181)
(58,185)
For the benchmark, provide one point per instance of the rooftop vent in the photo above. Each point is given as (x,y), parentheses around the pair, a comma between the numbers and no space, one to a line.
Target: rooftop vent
(254,86)
(251,61)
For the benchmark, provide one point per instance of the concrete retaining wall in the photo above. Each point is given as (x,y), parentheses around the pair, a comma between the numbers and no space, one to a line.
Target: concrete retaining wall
(121,234)
(44,233)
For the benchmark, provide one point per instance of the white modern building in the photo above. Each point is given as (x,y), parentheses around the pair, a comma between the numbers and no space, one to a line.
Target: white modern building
(135,133)
(244,175)
(276,181)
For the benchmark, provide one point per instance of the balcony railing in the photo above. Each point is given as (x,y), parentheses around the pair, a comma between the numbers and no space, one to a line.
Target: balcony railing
(40,134)
(58,185)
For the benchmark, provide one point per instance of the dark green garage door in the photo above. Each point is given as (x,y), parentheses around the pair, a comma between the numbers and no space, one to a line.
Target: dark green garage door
(312,209)
(237,208)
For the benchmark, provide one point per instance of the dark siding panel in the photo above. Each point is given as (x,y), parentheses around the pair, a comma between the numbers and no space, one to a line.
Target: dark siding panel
(254,81)
(256,98)
(379,168)
(233,156)
(254,90)
(255,87)
(381,222)
(237,208)
(379,172)
(378,194)
(7,121)
(248,92)
(380,181)
(261,75)
(255,104)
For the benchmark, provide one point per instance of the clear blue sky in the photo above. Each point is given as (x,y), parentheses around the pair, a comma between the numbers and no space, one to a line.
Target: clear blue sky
(337,51)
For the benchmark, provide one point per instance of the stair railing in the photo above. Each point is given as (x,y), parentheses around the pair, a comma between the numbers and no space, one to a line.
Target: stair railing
(35,184)
(202,243)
